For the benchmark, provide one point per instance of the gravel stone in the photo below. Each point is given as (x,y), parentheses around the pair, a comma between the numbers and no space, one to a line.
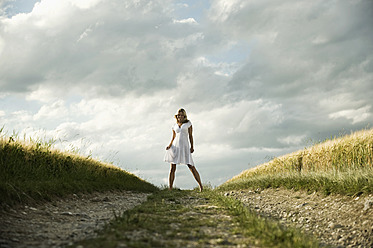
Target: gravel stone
(337,221)
(64,221)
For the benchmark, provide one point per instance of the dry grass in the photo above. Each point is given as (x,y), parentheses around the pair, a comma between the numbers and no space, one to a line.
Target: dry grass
(34,171)
(345,162)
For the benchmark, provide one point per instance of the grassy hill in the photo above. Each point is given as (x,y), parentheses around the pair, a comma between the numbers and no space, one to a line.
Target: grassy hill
(340,165)
(32,171)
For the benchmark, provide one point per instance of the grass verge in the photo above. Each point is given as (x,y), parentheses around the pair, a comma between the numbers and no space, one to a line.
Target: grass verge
(33,172)
(268,233)
(342,166)
(351,183)
(191,219)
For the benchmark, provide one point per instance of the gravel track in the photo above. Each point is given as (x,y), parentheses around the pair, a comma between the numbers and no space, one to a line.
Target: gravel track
(63,221)
(337,221)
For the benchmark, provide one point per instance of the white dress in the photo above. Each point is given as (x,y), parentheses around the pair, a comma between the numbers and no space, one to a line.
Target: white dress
(179,153)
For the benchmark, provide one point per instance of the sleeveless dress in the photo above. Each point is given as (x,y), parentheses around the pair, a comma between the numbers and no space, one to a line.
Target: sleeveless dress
(179,153)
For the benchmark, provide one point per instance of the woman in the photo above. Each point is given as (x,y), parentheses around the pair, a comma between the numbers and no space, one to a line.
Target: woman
(178,151)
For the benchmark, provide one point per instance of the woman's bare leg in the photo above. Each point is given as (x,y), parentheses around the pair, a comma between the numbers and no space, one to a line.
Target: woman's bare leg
(196,176)
(172,175)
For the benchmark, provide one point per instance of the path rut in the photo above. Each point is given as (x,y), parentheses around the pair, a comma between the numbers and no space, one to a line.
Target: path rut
(336,221)
(63,221)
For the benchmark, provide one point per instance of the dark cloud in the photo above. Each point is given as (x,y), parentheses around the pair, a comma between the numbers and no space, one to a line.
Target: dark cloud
(258,78)
(303,54)
(126,46)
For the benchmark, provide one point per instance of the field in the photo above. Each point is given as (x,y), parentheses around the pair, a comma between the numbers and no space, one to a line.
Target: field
(34,171)
(341,165)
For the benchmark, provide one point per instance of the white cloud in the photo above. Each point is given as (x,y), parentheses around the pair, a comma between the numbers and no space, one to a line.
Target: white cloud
(292,139)
(2,45)
(55,110)
(43,94)
(258,78)
(115,47)
(319,40)
(223,9)
(188,21)
(84,34)
(355,115)
(22,117)
(85,4)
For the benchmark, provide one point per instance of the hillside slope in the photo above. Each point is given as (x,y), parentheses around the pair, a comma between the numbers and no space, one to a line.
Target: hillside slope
(325,190)
(33,171)
(341,165)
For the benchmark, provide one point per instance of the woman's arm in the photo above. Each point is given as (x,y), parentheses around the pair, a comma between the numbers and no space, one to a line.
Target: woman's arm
(172,140)
(190,131)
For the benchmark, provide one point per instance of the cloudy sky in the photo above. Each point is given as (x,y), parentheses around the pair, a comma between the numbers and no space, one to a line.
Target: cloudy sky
(258,78)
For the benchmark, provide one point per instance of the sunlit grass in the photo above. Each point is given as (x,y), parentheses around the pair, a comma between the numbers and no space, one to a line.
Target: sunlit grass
(167,219)
(33,170)
(341,165)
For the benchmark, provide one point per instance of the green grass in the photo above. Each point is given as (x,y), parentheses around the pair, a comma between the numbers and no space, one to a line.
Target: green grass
(268,232)
(33,171)
(342,166)
(351,183)
(181,218)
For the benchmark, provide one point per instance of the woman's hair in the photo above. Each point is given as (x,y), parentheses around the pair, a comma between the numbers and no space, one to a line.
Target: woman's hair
(183,112)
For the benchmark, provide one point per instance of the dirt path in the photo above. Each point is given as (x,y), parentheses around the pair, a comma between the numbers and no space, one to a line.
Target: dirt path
(174,219)
(186,220)
(335,220)
(338,221)
(61,222)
